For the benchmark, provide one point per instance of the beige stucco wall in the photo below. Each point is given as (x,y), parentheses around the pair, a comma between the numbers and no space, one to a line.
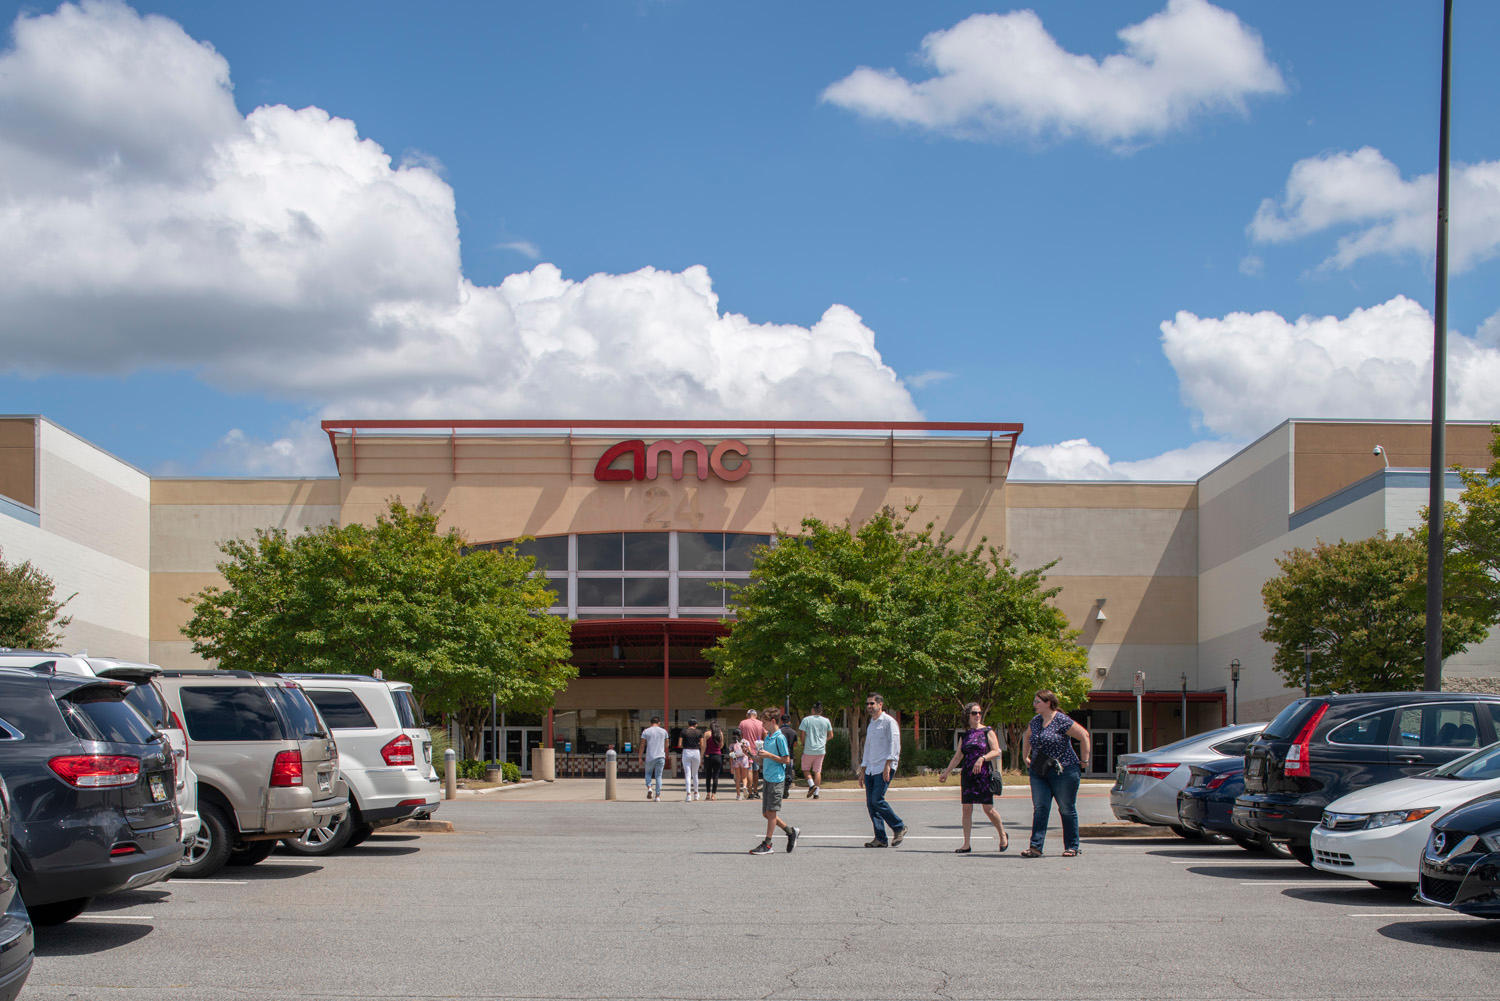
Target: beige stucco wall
(1330,455)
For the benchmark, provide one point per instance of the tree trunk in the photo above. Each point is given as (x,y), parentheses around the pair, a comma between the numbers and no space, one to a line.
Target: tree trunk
(856,738)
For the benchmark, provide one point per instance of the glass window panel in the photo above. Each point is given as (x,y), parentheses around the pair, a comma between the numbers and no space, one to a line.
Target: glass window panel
(229,713)
(646,591)
(551,552)
(739,550)
(599,592)
(599,552)
(699,593)
(646,551)
(1367,731)
(342,709)
(700,550)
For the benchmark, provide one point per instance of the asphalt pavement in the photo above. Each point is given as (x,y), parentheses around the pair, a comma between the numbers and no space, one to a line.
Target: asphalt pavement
(549,892)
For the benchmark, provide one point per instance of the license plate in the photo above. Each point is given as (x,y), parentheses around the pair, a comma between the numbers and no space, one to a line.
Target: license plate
(158,788)
(325,783)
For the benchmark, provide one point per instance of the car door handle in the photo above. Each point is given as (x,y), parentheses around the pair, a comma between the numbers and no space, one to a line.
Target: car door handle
(1409,759)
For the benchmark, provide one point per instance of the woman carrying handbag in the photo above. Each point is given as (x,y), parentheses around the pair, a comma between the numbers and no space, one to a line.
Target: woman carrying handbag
(979,781)
(1047,749)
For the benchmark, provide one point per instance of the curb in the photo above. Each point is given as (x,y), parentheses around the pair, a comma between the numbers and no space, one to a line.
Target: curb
(504,788)
(420,827)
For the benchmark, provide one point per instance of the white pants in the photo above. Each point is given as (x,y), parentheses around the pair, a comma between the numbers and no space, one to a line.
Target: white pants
(691,761)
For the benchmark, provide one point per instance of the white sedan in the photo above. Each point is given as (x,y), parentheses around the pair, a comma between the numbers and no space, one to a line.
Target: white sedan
(1378,833)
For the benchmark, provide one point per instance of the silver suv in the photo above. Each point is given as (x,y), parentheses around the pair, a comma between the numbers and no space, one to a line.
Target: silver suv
(267,765)
(384,755)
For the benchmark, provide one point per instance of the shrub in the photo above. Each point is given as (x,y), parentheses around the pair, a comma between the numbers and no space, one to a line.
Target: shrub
(510,771)
(470,768)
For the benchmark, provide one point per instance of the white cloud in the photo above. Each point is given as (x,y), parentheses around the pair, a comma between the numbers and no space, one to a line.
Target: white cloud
(1079,459)
(1246,372)
(1364,193)
(146,223)
(929,378)
(999,74)
(1252,266)
(525,248)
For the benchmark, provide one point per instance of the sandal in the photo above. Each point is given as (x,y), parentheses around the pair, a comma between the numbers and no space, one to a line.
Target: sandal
(962,851)
(1005,843)
(1070,853)
(1031,853)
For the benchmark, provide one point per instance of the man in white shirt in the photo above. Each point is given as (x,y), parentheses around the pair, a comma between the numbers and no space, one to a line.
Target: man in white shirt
(881,754)
(654,756)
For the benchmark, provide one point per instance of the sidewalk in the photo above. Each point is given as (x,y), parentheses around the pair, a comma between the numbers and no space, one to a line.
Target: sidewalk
(672,790)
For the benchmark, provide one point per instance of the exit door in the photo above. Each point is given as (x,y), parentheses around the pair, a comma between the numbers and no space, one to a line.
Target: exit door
(518,742)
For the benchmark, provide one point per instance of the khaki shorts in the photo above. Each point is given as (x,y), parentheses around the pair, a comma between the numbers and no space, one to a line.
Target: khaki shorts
(813,763)
(770,797)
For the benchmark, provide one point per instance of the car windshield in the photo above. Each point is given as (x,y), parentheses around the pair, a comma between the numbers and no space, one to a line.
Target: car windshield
(1482,764)
(148,703)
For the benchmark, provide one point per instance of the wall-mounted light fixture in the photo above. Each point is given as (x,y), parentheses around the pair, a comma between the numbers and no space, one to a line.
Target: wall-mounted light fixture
(1100,616)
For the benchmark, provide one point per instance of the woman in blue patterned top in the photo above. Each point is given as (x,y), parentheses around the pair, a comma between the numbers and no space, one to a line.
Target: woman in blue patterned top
(1047,749)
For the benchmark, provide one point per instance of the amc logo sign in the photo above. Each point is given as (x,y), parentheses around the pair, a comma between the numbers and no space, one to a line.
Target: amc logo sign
(646,460)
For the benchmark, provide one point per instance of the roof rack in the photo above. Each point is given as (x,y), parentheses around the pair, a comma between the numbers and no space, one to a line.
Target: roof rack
(206,673)
(315,676)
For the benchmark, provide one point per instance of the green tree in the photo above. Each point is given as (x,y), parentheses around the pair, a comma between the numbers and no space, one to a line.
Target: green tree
(399,596)
(1359,607)
(30,614)
(1471,568)
(835,612)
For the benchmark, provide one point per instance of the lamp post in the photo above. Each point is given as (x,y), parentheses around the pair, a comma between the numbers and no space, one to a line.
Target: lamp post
(1234,679)
(1184,705)
(1306,670)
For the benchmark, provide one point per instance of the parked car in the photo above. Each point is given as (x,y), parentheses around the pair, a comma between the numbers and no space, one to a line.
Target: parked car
(16,938)
(1321,748)
(56,661)
(91,784)
(1206,804)
(1147,784)
(384,756)
(1460,867)
(149,701)
(267,765)
(1378,833)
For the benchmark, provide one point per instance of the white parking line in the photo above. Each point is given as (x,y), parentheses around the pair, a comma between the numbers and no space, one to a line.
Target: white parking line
(1221,861)
(215,882)
(909,837)
(1417,912)
(1301,882)
(114,917)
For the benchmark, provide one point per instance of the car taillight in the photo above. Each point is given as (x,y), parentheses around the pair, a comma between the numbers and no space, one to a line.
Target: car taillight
(286,770)
(1298,757)
(177,725)
(399,752)
(1220,779)
(1155,769)
(97,771)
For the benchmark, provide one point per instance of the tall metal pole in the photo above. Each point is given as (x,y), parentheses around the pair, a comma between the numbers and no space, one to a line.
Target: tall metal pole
(1234,676)
(1307,670)
(1432,674)
(1184,707)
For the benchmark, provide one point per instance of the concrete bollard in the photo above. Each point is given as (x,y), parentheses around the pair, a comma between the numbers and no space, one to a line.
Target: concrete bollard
(611,773)
(450,774)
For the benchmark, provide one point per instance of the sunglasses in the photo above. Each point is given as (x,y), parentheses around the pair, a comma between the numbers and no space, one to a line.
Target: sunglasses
(976,712)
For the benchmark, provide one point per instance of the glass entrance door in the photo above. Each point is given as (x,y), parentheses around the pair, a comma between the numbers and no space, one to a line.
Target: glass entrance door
(1108,746)
(518,742)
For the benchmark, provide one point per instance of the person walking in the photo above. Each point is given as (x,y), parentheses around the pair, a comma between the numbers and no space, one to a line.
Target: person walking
(690,746)
(1055,770)
(739,762)
(979,755)
(790,733)
(815,730)
(754,731)
(653,756)
(775,758)
(713,759)
(882,753)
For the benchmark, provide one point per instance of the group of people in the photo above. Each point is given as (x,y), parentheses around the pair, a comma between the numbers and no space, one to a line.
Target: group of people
(760,752)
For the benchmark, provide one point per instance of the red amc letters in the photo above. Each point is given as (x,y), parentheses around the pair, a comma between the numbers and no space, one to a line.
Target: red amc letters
(646,459)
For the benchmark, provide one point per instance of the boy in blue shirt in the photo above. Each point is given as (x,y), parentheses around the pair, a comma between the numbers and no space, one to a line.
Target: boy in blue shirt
(775,759)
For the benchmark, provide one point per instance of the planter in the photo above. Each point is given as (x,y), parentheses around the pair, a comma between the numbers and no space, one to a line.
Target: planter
(544,763)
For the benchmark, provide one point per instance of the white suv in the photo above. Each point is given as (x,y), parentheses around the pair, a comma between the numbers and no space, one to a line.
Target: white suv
(384,756)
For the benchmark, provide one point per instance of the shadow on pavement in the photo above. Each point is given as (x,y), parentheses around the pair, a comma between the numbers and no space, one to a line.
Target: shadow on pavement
(391,838)
(1354,895)
(368,850)
(83,938)
(1468,934)
(1215,853)
(266,871)
(130,898)
(1270,873)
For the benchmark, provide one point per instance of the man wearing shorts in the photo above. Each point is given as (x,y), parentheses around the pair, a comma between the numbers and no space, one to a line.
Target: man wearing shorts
(775,758)
(753,731)
(815,729)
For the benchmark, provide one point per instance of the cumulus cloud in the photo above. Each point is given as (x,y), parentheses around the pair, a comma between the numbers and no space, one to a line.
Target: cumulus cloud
(146,223)
(1364,193)
(1246,372)
(525,248)
(1003,74)
(929,378)
(1079,459)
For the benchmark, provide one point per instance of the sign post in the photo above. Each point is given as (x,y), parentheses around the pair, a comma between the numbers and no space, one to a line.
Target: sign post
(1140,717)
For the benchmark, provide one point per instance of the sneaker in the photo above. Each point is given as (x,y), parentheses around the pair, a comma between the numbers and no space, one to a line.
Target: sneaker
(877,843)
(810,791)
(815,791)
(898,837)
(764,848)
(648,792)
(791,838)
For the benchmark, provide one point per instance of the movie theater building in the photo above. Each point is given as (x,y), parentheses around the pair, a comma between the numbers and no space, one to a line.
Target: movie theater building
(637,525)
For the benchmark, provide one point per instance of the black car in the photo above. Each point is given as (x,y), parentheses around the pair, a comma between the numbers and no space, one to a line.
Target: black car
(15,924)
(1206,804)
(1318,749)
(1460,867)
(92,788)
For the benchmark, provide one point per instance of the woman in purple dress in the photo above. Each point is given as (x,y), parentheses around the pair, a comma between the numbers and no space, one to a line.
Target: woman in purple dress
(979,752)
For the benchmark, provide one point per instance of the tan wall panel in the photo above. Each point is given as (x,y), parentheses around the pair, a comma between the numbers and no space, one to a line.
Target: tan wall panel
(322,490)
(185,538)
(1174,496)
(168,612)
(177,656)
(1144,610)
(18,460)
(1109,541)
(1330,456)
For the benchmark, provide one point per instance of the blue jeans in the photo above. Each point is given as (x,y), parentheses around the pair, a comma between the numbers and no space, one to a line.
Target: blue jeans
(654,769)
(881,813)
(1062,787)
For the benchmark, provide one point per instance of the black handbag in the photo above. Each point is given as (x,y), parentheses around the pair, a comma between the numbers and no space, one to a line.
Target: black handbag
(997,781)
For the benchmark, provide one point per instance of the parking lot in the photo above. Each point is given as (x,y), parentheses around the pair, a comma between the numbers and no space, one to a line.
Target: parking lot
(555,894)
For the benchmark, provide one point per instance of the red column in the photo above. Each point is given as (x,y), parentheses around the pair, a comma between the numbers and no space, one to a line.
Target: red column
(666,678)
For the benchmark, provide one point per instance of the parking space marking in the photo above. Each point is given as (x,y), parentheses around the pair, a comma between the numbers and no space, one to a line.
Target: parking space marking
(1236,862)
(219,882)
(1421,912)
(115,917)
(1352,884)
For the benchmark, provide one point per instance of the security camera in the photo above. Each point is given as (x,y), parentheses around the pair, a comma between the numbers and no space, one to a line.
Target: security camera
(1377,450)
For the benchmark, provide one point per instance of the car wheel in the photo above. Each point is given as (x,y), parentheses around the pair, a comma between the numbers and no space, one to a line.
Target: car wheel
(209,851)
(1252,843)
(58,912)
(1390,886)
(323,840)
(1302,853)
(1187,832)
(358,833)
(251,852)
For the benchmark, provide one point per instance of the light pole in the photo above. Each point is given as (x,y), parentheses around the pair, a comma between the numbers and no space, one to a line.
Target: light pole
(1234,678)
(1184,705)
(1306,670)
(1432,660)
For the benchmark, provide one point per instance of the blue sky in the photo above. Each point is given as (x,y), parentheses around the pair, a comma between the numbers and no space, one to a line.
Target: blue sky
(991,225)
